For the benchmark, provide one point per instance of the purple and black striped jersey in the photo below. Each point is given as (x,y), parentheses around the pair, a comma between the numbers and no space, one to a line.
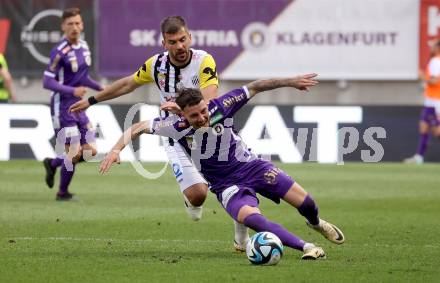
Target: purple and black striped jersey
(217,151)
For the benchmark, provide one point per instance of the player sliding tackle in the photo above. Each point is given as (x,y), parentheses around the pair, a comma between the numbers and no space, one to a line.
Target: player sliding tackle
(236,175)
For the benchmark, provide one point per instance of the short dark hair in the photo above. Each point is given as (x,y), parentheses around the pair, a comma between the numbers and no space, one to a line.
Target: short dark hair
(189,97)
(70,12)
(172,24)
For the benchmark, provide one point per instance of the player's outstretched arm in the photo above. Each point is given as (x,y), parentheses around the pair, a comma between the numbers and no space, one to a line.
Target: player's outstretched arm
(129,135)
(302,82)
(116,89)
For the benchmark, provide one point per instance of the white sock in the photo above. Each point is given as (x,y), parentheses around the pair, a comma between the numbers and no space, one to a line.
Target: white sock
(308,246)
(241,233)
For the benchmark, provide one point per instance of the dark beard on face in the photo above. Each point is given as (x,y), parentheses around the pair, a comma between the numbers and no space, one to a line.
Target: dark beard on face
(176,57)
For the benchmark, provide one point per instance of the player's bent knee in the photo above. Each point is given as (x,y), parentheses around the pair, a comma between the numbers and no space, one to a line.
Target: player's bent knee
(77,157)
(196,194)
(245,211)
(73,152)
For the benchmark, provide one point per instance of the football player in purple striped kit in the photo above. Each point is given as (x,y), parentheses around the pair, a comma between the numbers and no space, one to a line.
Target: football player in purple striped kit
(235,174)
(67,76)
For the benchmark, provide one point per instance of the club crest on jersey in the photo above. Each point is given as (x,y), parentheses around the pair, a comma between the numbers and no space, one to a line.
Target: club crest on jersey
(228,102)
(218,129)
(270,176)
(161,76)
(191,142)
(74,64)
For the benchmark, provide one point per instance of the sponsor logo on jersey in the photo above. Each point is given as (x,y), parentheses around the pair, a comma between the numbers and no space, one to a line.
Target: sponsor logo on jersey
(162,124)
(213,110)
(66,49)
(217,117)
(195,80)
(162,70)
(177,172)
(228,102)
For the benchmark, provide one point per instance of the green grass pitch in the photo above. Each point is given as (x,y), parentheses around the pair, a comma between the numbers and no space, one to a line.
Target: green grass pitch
(129,229)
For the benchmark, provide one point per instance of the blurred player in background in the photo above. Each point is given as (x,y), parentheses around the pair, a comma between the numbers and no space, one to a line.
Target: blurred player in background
(180,66)
(235,174)
(430,116)
(6,87)
(67,75)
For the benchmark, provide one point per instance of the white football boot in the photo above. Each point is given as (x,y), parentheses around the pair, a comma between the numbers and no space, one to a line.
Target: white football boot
(195,212)
(329,231)
(415,159)
(241,237)
(312,252)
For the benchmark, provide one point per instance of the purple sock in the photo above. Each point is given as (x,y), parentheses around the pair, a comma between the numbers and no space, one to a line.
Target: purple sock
(309,210)
(423,143)
(66,177)
(56,162)
(259,223)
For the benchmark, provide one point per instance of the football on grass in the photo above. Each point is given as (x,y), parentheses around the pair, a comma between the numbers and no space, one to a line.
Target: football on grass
(264,248)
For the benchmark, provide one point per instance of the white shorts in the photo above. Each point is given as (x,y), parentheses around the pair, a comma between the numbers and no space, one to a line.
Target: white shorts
(435,103)
(184,170)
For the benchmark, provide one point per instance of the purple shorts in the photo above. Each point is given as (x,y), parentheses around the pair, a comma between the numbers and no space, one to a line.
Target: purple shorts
(70,127)
(429,116)
(264,179)
(80,133)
